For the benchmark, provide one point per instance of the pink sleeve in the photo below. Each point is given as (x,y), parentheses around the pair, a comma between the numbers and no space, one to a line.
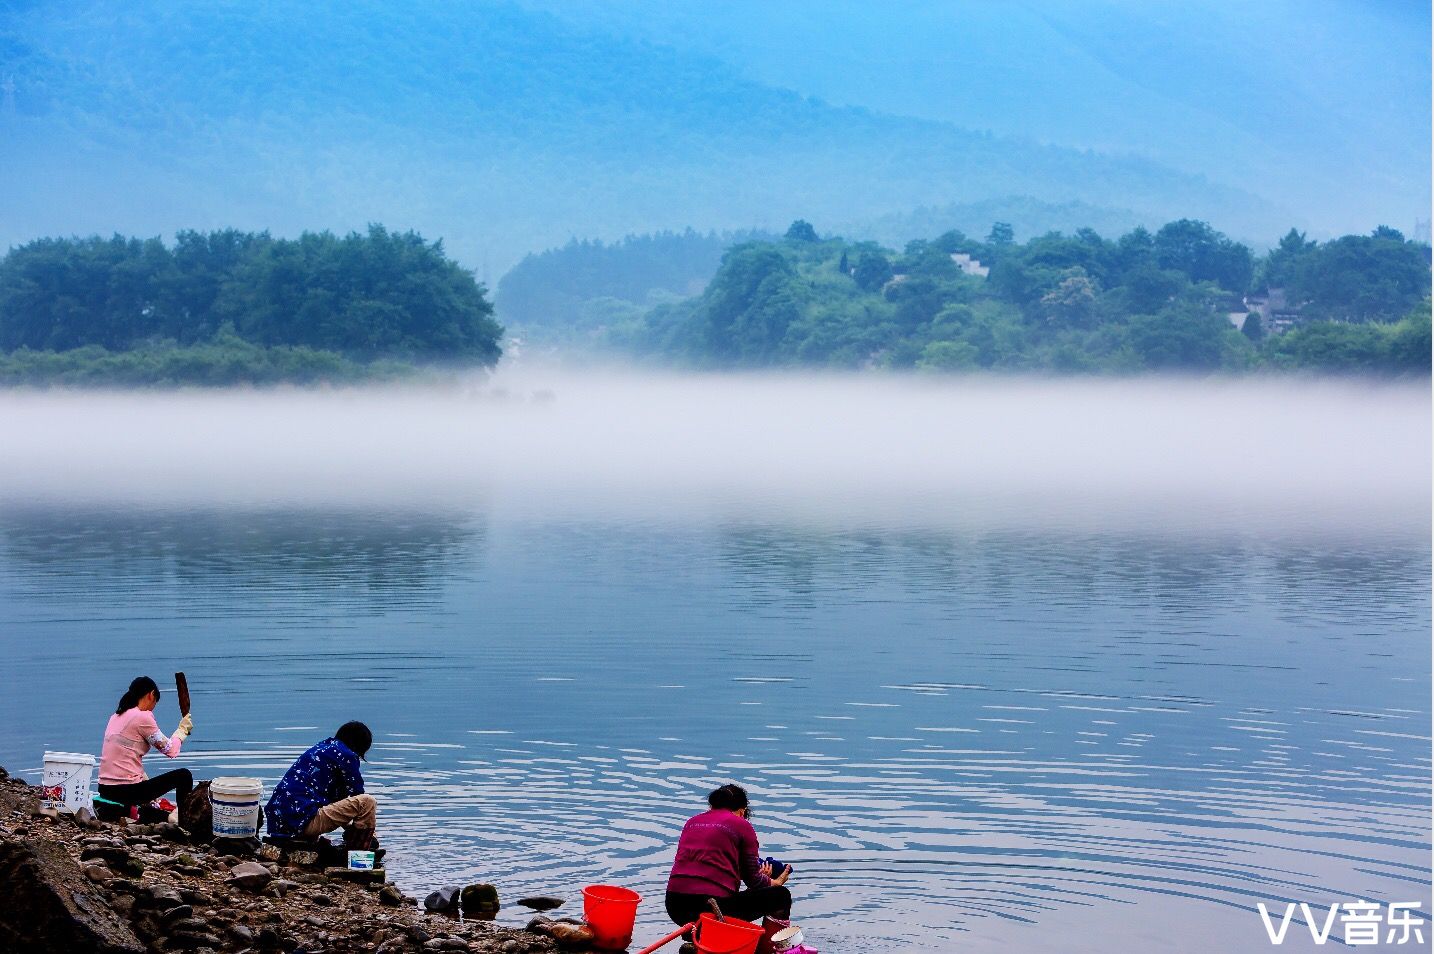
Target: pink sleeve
(150,730)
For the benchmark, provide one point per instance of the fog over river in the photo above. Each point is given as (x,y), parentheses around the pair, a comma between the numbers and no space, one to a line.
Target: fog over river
(1006,664)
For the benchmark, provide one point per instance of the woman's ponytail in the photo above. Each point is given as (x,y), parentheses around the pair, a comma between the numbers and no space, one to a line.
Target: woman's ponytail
(137,690)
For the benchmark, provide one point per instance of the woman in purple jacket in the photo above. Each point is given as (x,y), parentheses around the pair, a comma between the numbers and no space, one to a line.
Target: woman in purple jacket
(716,855)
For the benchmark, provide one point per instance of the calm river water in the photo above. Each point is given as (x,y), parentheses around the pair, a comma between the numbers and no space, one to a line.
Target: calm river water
(969,723)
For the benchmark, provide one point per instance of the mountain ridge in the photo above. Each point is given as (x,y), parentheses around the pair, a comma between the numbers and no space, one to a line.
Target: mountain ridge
(496,128)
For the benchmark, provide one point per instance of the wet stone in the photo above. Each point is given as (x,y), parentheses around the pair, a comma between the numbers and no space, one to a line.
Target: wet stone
(443,900)
(541,902)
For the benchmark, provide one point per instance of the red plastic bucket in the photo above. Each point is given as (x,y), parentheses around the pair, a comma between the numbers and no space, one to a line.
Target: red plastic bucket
(727,937)
(610,911)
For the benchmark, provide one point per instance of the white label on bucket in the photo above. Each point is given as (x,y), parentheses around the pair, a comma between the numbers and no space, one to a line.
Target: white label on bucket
(361,860)
(235,819)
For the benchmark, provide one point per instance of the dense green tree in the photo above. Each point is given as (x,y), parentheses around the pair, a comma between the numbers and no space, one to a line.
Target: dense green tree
(1001,234)
(1280,266)
(1204,254)
(746,310)
(801,231)
(1182,337)
(1376,277)
(366,296)
(873,270)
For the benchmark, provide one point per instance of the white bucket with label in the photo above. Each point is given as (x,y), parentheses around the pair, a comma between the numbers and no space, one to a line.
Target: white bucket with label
(234,804)
(65,784)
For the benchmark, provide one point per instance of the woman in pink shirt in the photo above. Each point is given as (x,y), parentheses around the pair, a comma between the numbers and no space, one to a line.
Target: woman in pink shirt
(716,855)
(131,733)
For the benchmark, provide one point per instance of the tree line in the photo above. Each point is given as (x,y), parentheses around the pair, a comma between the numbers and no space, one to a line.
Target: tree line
(1173,299)
(326,301)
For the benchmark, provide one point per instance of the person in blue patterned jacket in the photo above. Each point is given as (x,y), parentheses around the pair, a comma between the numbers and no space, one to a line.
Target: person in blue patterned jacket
(323,792)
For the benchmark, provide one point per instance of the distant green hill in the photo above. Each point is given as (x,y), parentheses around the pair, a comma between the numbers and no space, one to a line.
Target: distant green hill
(1171,300)
(497,128)
(585,285)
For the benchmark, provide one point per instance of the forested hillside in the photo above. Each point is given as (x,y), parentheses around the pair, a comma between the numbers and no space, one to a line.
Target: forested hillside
(230,306)
(497,128)
(1183,298)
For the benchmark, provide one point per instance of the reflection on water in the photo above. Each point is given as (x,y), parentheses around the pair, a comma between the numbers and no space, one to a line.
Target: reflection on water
(1002,740)
(320,556)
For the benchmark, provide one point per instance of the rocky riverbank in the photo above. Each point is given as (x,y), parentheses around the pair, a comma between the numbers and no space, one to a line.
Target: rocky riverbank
(72,884)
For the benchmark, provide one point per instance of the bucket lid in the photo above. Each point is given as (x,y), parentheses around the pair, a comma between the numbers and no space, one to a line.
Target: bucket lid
(236,785)
(77,758)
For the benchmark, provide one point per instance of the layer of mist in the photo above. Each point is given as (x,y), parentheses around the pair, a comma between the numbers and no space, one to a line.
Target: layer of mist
(1145,455)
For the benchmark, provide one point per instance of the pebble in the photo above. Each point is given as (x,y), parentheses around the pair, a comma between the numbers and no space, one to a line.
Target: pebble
(250,875)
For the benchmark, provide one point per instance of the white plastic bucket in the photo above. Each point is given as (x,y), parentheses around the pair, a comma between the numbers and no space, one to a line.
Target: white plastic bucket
(234,804)
(66,782)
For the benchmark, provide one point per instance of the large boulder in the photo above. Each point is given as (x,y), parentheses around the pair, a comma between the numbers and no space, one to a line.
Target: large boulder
(49,906)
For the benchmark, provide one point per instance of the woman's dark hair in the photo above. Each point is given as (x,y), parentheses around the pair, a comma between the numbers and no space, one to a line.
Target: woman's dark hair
(731,797)
(137,690)
(356,736)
